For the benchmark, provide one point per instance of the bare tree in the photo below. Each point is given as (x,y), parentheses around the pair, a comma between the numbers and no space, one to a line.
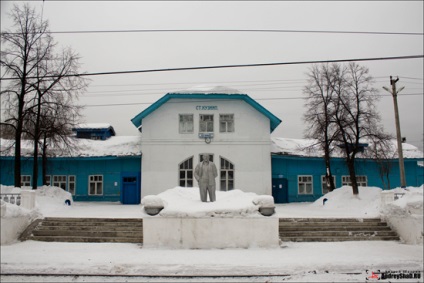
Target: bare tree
(19,60)
(319,113)
(356,116)
(341,112)
(55,93)
(382,151)
(43,82)
(55,130)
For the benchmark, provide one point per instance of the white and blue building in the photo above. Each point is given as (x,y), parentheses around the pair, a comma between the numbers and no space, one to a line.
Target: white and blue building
(176,131)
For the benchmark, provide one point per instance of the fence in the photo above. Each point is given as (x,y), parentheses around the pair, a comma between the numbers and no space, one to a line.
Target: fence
(11,198)
(25,199)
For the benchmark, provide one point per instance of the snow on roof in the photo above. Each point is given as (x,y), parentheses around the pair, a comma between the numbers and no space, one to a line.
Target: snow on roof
(209,89)
(310,148)
(131,146)
(94,126)
(114,146)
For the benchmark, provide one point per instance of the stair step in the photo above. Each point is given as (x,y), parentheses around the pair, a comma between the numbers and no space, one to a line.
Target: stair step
(99,223)
(43,227)
(66,219)
(119,230)
(126,234)
(337,220)
(338,233)
(329,224)
(339,239)
(86,239)
(332,228)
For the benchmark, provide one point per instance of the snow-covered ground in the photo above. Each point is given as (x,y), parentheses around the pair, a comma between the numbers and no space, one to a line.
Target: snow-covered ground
(292,262)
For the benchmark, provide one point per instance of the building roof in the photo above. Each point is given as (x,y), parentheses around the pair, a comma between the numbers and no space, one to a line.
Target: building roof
(114,146)
(131,146)
(310,148)
(220,93)
(94,126)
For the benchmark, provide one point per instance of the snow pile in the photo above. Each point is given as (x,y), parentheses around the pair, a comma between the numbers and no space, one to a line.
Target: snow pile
(11,210)
(409,202)
(47,198)
(365,204)
(405,214)
(185,202)
(152,201)
(264,201)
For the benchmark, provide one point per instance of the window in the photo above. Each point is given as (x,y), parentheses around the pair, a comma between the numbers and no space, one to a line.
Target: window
(59,181)
(206,123)
(95,185)
(72,184)
(186,123)
(305,185)
(130,179)
(186,173)
(227,175)
(226,123)
(324,184)
(361,180)
(25,180)
(48,180)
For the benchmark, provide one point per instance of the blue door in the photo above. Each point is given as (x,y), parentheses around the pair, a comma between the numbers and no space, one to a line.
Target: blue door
(130,191)
(280,190)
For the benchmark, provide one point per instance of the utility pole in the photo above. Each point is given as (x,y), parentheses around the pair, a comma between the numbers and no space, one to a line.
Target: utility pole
(394,93)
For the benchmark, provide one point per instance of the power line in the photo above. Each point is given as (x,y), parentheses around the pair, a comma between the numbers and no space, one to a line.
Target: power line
(265,99)
(245,86)
(214,82)
(420,79)
(248,82)
(232,66)
(231,30)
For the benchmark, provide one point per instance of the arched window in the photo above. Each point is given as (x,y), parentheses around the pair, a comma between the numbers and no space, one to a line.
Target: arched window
(226,175)
(186,173)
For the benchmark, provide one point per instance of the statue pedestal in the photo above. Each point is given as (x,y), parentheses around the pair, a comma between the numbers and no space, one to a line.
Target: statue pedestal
(210,232)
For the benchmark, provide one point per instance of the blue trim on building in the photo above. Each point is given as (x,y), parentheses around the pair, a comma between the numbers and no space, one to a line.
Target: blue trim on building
(289,168)
(95,133)
(112,169)
(274,121)
(121,175)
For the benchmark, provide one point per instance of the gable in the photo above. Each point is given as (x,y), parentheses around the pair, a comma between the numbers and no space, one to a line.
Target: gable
(274,121)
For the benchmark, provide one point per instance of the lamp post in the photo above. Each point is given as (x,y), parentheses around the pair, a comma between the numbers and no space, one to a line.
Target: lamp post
(394,93)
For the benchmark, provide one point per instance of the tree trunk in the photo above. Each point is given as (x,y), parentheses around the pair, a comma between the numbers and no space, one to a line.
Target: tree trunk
(352,174)
(328,176)
(18,135)
(36,139)
(35,166)
(44,160)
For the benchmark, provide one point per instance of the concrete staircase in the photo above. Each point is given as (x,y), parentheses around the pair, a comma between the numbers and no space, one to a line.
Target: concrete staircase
(335,230)
(91,230)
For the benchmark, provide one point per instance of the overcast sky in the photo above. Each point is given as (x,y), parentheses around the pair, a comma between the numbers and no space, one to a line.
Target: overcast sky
(277,88)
